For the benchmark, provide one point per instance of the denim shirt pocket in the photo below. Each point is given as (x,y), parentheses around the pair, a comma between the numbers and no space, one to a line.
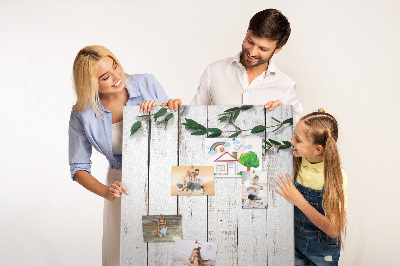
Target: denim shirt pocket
(327,240)
(301,242)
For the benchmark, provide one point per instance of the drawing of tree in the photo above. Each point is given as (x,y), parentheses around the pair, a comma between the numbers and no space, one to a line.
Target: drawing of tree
(249,159)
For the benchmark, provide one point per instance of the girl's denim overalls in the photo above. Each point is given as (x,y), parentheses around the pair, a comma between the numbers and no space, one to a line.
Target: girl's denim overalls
(313,247)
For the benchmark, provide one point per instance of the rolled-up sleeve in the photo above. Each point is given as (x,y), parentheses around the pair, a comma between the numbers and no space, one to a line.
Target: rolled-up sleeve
(202,96)
(80,148)
(292,99)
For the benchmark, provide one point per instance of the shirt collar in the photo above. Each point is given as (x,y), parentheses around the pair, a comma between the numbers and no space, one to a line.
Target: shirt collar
(131,87)
(271,65)
(319,167)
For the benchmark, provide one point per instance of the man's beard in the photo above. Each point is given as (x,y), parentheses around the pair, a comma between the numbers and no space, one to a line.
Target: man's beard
(258,63)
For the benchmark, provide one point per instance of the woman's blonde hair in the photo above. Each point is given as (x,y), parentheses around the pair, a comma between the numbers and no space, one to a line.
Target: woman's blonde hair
(86,83)
(322,129)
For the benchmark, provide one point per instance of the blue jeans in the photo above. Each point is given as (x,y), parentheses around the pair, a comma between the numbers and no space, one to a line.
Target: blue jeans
(313,246)
(253,197)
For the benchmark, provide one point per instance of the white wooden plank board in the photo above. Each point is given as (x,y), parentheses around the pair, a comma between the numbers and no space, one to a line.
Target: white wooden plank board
(192,208)
(280,228)
(134,177)
(164,155)
(244,237)
(252,223)
(224,206)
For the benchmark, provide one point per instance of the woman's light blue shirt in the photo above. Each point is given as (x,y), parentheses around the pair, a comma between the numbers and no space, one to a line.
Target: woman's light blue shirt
(86,129)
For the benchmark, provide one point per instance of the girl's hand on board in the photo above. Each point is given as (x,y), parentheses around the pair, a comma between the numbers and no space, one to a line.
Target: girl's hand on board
(115,191)
(289,191)
(172,104)
(146,106)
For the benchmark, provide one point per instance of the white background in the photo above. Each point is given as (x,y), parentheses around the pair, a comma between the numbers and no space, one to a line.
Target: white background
(344,56)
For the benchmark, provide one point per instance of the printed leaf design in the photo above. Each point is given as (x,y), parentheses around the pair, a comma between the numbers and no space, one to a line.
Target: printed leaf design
(287,143)
(167,118)
(258,129)
(266,142)
(274,142)
(160,113)
(276,128)
(214,135)
(234,135)
(231,109)
(215,130)
(246,107)
(276,120)
(135,127)
(289,120)
(194,124)
(235,115)
(199,133)
(222,118)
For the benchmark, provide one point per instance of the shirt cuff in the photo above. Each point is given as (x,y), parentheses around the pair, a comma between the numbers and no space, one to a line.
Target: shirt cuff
(78,167)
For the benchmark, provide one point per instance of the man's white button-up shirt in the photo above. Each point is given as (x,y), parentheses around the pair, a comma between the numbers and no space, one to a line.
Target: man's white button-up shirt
(225,82)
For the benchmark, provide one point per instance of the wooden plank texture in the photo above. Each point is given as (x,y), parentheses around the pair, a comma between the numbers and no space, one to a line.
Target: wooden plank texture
(163,155)
(244,236)
(192,208)
(252,223)
(135,153)
(223,208)
(280,228)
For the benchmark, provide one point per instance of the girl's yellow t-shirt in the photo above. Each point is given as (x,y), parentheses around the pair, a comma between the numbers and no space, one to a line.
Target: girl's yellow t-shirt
(312,175)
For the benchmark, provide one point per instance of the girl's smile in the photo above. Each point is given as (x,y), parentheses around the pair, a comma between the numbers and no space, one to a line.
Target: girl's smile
(303,147)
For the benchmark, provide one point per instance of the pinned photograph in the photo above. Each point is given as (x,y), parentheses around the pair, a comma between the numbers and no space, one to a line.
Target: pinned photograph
(193,252)
(192,180)
(162,228)
(254,190)
(230,157)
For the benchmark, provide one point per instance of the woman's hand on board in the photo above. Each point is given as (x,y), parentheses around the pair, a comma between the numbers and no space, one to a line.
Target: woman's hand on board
(115,191)
(172,104)
(147,106)
(289,191)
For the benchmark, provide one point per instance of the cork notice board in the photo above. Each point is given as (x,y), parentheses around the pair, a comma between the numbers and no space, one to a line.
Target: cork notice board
(244,236)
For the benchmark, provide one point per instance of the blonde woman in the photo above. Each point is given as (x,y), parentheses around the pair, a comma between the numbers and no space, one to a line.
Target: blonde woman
(103,89)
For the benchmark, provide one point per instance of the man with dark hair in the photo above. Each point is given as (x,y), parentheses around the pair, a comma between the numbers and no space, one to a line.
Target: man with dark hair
(251,77)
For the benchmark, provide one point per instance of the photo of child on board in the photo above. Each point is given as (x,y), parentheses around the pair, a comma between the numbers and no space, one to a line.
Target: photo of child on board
(254,190)
(193,252)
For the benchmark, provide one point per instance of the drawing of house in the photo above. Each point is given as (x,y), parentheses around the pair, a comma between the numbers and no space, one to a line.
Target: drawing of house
(226,164)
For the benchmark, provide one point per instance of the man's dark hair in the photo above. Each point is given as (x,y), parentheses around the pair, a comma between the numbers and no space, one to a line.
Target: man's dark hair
(270,24)
(197,170)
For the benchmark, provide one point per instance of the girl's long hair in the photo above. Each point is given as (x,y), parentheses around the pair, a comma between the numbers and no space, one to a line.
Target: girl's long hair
(322,129)
(199,258)
(86,84)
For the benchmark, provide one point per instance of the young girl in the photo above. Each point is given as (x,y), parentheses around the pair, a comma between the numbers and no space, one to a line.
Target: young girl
(196,259)
(319,192)
(103,89)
